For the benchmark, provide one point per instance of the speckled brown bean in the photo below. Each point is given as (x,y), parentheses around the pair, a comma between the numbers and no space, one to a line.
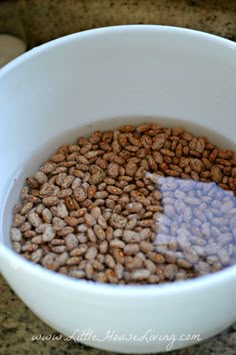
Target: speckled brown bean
(65,231)
(216,173)
(91,253)
(140,275)
(79,274)
(170,271)
(109,261)
(89,220)
(131,249)
(50,201)
(99,232)
(49,261)
(49,234)
(16,235)
(131,236)
(184,264)
(71,241)
(36,256)
(150,266)
(118,255)
(133,263)
(80,250)
(59,249)
(89,270)
(146,246)
(18,220)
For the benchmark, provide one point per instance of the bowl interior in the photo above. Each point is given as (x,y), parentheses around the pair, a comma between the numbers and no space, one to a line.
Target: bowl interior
(83,82)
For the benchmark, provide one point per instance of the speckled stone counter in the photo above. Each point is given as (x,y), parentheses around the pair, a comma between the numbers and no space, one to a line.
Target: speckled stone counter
(48,19)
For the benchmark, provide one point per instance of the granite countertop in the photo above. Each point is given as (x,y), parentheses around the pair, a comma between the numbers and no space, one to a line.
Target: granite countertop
(45,20)
(48,19)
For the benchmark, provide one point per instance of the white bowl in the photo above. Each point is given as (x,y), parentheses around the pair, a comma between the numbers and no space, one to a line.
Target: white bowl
(46,95)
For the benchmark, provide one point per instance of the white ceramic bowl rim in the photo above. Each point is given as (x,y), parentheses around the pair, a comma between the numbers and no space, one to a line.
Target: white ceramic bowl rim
(109,289)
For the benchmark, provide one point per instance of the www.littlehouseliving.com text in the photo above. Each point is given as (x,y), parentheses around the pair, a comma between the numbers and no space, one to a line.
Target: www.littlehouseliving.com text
(85,335)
